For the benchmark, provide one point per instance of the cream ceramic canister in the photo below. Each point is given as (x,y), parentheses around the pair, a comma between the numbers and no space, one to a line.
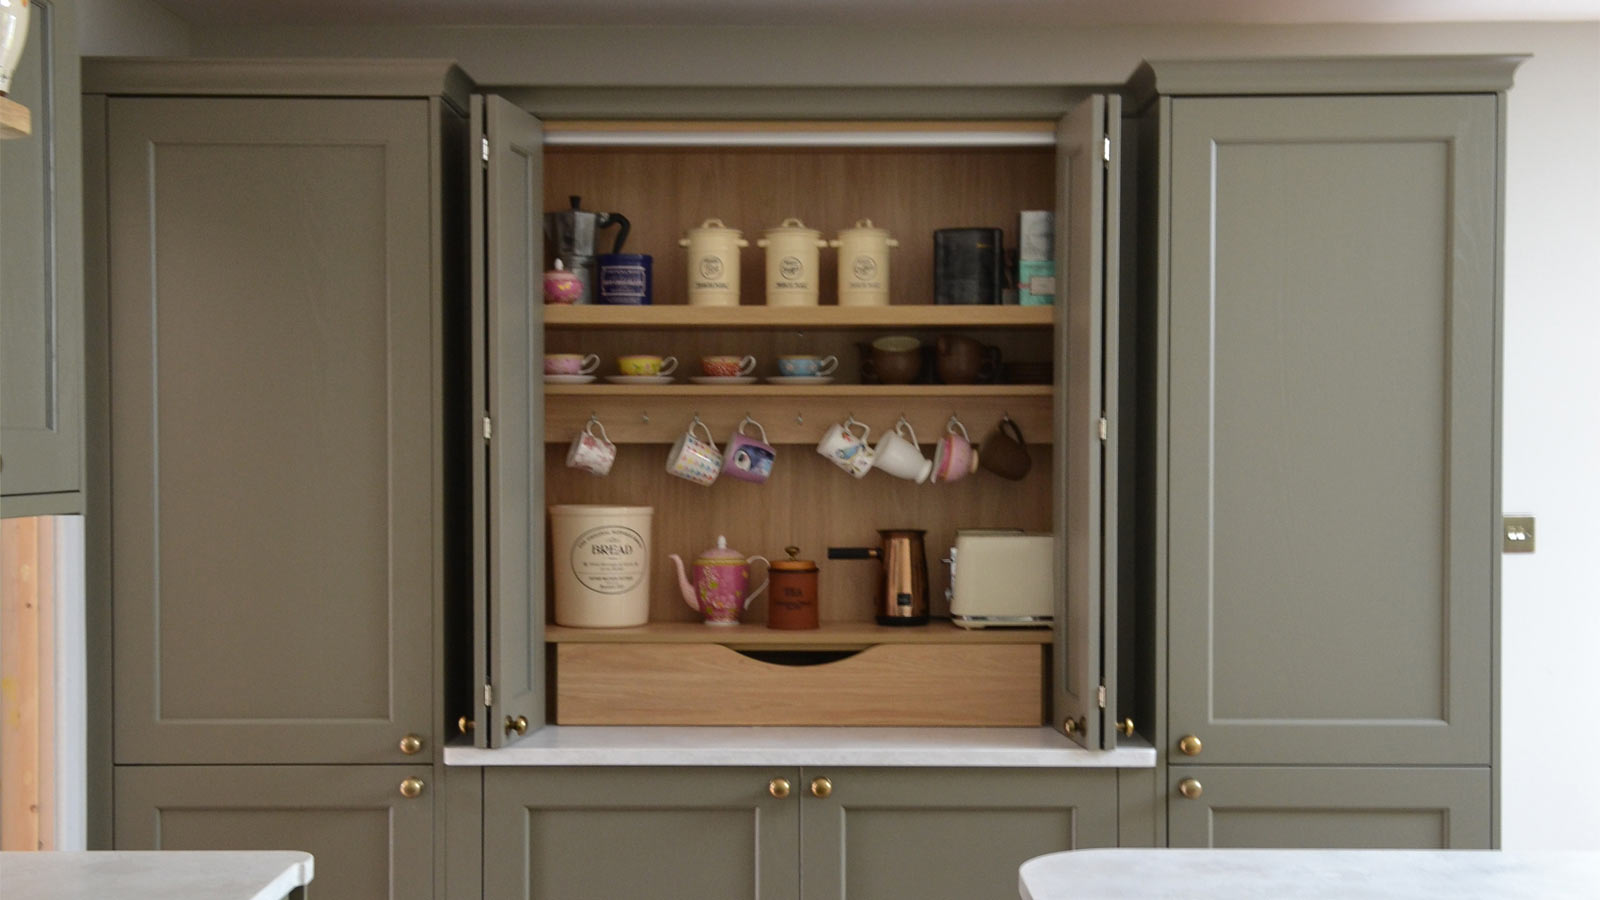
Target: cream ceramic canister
(721,576)
(792,263)
(863,264)
(714,263)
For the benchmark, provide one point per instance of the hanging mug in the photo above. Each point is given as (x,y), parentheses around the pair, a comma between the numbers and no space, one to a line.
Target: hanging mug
(747,458)
(954,458)
(847,449)
(1005,453)
(593,453)
(899,455)
(694,458)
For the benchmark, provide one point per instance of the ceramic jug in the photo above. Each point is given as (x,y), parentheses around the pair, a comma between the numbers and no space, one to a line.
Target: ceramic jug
(721,576)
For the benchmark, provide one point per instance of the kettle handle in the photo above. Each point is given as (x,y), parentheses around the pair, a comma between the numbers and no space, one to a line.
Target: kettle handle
(761,587)
(854,552)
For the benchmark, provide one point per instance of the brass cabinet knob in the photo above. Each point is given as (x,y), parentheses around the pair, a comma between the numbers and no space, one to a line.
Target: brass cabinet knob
(1070,726)
(1190,745)
(464,725)
(411,788)
(519,724)
(1125,727)
(411,745)
(821,786)
(778,787)
(1190,787)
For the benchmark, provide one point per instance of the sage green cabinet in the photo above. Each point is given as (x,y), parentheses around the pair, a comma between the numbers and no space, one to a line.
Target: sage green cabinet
(41,277)
(1329,807)
(944,834)
(1330,267)
(369,840)
(709,833)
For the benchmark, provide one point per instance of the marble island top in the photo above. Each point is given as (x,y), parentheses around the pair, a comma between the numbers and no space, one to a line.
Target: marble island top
(585,745)
(153,875)
(1311,875)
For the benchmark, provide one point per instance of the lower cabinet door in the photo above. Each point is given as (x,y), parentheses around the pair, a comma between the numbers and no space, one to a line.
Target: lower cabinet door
(368,840)
(1328,807)
(891,834)
(662,833)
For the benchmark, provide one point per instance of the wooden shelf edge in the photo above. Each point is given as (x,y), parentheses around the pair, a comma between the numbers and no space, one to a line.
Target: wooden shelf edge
(16,120)
(906,316)
(600,390)
(831,636)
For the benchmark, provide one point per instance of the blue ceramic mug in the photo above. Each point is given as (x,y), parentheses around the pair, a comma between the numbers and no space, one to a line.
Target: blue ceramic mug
(624,279)
(806,366)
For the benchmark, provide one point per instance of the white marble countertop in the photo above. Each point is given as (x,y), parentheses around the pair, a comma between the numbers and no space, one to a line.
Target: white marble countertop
(615,745)
(1311,874)
(153,875)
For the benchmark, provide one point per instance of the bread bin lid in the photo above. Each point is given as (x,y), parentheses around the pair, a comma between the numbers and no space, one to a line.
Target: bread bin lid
(791,564)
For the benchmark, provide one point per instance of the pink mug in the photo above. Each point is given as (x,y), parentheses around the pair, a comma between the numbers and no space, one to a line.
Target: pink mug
(954,457)
(593,453)
(746,458)
(570,364)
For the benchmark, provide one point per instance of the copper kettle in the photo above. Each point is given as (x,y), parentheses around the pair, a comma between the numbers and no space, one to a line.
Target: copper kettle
(903,575)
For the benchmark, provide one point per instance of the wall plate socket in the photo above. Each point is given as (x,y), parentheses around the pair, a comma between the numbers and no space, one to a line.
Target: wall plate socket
(1519,534)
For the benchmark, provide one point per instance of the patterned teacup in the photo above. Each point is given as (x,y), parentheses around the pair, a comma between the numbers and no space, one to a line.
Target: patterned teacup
(806,365)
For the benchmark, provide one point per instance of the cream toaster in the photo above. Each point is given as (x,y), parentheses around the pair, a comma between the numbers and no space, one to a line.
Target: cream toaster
(1002,579)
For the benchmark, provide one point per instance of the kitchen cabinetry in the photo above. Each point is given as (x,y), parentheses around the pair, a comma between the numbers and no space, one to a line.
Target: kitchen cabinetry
(813,833)
(1325,282)
(1409,808)
(41,277)
(368,838)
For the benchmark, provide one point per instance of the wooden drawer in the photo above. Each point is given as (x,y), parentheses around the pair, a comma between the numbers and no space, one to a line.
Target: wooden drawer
(888,684)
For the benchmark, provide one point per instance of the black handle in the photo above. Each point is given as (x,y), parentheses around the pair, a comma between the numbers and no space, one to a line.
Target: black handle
(605,220)
(854,552)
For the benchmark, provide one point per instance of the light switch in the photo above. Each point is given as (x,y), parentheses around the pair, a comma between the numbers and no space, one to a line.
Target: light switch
(1519,534)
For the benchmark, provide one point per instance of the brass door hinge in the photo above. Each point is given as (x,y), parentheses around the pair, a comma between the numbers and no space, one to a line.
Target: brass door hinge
(1101,696)
(485,151)
(488,428)
(488,695)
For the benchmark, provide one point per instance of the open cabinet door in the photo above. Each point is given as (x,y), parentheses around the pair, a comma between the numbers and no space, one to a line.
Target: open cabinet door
(1088,191)
(508,471)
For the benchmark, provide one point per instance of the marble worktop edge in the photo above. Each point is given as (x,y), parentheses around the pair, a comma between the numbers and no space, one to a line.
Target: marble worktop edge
(582,745)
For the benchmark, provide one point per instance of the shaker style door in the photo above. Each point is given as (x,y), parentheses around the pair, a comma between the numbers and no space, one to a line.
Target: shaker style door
(507,250)
(41,278)
(1332,530)
(1088,186)
(272,328)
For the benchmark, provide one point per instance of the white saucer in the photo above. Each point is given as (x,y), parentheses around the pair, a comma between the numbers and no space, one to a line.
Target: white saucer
(800,379)
(568,379)
(639,379)
(723,379)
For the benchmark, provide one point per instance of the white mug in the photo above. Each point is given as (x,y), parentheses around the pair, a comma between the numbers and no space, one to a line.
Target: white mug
(899,455)
(693,458)
(846,449)
(593,453)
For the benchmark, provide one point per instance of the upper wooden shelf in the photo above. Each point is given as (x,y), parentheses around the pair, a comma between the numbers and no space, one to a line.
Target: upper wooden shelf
(831,636)
(15,119)
(924,315)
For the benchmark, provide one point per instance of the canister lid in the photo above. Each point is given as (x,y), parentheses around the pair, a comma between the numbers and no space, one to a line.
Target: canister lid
(793,565)
(792,225)
(864,226)
(714,226)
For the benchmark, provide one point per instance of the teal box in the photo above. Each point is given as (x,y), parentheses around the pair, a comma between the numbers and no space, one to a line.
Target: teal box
(1036,282)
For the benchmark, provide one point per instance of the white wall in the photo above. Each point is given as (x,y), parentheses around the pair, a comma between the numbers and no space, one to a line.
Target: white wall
(130,28)
(1551,631)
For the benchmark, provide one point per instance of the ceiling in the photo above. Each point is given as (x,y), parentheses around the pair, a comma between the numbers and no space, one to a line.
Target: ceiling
(867,12)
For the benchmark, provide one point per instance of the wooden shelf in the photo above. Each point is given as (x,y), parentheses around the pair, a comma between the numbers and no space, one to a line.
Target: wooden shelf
(831,636)
(15,119)
(907,316)
(657,414)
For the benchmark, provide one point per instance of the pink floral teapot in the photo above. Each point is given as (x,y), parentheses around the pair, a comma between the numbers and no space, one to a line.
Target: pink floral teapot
(720,578)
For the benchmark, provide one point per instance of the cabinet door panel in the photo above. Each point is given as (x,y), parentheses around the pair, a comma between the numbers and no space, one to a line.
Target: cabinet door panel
(368,841)
(1331,449)
(272,352)
(694,834)
(884,834)
(41,272)
(1334,808)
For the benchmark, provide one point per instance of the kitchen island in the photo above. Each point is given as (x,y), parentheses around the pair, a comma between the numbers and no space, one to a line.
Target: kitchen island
(149,875)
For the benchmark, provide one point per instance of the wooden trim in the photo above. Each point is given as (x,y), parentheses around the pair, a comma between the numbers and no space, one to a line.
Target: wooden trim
(27,673)
(1029,126)
(16,120)
(903,316)
(831,636)
(835,103)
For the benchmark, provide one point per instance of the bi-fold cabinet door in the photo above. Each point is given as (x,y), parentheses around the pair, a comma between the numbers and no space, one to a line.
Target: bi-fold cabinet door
(41,278)
(1332,521)
(274,332)
(369,828)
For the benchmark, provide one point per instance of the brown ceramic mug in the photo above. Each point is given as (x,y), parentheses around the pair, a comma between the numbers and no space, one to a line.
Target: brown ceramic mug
(962,360)
(894,360)
(1004,452)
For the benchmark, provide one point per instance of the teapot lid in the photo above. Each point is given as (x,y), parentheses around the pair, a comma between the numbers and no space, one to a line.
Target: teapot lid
(791,564)
(721,551)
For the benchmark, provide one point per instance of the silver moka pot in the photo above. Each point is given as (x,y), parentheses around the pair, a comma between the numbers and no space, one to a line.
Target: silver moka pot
(571,233)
